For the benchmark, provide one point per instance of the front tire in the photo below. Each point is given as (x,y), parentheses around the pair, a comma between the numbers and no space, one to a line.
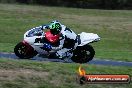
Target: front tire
(23,51)
(83,54)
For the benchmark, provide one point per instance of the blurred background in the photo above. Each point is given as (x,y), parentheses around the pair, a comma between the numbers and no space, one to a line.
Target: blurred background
(110,19)
(98,4)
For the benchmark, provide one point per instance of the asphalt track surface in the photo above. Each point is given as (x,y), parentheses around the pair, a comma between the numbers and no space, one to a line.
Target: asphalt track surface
(94,61)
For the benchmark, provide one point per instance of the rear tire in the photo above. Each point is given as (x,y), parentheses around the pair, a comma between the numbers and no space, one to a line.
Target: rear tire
(23,51)
(83,54)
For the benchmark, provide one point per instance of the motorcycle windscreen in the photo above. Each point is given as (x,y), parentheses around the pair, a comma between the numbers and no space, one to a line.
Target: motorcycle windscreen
(51,38)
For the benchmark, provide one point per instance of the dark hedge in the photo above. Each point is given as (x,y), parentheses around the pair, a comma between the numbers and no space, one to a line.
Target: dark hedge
(100,4)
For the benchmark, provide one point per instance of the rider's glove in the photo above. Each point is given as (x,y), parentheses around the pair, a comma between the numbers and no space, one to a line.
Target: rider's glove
(47,46)
(45,27)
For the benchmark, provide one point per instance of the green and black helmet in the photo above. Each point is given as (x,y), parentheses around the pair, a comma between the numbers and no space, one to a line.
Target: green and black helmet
(55,27)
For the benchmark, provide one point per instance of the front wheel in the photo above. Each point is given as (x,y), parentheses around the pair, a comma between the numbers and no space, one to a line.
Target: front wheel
(24,51)
(83,54)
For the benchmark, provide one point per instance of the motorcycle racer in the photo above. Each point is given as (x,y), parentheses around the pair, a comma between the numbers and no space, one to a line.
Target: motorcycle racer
(57,42)
(64,39)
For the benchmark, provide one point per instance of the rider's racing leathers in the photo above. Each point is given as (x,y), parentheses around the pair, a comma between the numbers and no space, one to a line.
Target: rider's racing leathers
(67,41)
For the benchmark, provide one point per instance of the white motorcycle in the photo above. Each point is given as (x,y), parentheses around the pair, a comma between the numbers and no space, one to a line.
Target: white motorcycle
(33,43)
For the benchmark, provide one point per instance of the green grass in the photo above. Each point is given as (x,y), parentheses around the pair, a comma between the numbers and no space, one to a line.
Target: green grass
(32,74)
(113,26)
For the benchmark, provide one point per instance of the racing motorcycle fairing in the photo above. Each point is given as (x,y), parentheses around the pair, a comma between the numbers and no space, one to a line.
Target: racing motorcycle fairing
(33,39)
(87,38)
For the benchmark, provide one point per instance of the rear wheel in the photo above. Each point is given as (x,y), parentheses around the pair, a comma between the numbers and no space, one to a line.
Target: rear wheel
(23,51)
(83,54)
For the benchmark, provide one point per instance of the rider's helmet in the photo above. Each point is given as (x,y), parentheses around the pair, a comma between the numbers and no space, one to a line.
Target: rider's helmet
(55,27)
